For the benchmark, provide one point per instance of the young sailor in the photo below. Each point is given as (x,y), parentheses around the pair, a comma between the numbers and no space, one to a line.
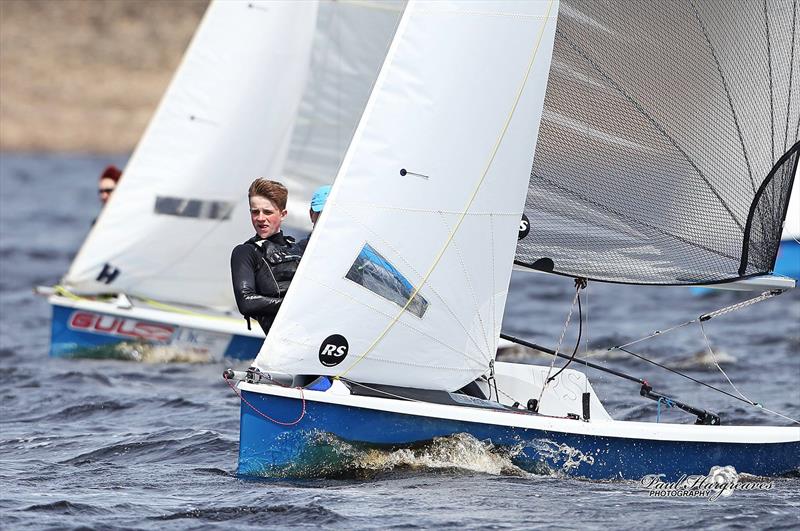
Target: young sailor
(315,209)
(262,267)
(107,183)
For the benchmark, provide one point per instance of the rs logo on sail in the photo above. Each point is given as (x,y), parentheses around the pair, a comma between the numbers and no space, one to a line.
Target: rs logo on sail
(120,327)
(333,350)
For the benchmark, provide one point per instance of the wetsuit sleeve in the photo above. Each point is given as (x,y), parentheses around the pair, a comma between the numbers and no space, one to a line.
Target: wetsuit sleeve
(244,262)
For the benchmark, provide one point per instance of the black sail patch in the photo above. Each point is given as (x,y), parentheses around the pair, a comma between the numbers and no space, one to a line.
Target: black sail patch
(333,350)
(524,227)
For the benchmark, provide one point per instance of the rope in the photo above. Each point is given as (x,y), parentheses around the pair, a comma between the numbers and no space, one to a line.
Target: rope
(744,398)
(264,415)
(64,292)
(716,363)
(704,317)
(695,380)
(744,304)
(175,309)
(667,402)
(580,283)
(478,185)
(560,340)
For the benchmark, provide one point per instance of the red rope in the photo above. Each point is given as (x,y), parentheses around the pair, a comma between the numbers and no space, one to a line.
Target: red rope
(243,399)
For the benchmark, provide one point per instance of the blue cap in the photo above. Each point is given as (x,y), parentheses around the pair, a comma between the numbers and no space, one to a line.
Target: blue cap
(319,198)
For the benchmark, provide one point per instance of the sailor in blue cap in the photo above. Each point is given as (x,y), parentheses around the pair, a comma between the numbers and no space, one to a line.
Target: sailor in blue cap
(317,204)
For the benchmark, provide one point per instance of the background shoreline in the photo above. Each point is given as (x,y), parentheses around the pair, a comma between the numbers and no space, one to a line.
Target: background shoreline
(85,76)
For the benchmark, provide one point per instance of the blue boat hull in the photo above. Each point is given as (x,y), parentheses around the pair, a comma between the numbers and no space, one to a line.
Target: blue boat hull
(92,334)
(272,450)
(788,261)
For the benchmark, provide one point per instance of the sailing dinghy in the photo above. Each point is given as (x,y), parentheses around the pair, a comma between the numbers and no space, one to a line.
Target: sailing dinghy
(639,142)
(271,89)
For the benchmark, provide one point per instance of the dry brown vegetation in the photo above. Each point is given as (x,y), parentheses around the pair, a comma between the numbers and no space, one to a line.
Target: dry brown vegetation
(86,75)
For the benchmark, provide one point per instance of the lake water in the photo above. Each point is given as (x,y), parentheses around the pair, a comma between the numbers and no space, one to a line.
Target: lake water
(120,445)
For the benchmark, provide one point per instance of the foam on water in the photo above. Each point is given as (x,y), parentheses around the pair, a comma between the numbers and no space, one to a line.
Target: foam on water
(325,455)
(143,352)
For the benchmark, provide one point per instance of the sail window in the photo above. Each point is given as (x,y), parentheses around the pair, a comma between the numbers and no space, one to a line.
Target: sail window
(378,275)
(193,208)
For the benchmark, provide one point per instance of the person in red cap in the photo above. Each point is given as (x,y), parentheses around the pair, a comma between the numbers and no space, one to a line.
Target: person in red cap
(108,182)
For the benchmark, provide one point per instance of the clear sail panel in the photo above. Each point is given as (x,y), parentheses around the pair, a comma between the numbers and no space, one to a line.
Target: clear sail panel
(660,158)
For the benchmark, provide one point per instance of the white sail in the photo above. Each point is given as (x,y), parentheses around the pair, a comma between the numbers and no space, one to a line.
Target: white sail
(251,72)
(350,44)
(791,225)
(411,260)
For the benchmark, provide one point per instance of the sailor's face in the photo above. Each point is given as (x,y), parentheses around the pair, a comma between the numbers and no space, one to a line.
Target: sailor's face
(266,216)
(105,188)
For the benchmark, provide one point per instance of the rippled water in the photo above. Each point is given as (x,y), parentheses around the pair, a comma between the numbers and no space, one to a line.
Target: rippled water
(116,444)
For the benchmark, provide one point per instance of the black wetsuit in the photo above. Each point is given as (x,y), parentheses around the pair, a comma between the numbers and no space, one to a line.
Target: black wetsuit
(262,271)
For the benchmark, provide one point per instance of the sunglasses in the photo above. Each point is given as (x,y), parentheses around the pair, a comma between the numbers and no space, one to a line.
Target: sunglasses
(105,190)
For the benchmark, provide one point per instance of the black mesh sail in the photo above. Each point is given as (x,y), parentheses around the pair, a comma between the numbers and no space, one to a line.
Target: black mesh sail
(668,144)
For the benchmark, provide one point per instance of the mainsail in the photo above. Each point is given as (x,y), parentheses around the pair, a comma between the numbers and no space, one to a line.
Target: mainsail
(405,279)
(668,144)
(266,88)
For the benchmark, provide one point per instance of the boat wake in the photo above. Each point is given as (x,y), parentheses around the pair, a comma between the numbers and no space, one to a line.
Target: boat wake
(328,456)
(143,352)
(323,455)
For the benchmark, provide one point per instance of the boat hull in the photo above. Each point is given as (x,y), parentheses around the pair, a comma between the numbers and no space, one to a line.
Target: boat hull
(788,261)
(89,330)
(270,449)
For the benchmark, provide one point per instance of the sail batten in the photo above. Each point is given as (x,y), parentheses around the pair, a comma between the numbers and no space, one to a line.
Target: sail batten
(661,154)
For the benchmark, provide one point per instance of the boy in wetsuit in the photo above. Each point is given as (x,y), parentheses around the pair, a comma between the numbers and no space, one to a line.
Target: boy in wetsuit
(262,267)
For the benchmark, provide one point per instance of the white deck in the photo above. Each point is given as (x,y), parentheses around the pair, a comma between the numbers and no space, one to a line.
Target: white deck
(184,317)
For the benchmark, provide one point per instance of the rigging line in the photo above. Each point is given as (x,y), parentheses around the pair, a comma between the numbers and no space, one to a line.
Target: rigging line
(586,343)
(705,317)
(264,415)
(771,90)
(587,363)
(756,404)
(653,334)
(493,305)
(472,197)
(695,380)
(558,346)
(577,343)
(716,363)
(791,70)
(660,128)
(387,393)
(727,94)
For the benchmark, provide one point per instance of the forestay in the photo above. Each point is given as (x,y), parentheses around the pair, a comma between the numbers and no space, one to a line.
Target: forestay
(661,153)
(405,279)
(263,86)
